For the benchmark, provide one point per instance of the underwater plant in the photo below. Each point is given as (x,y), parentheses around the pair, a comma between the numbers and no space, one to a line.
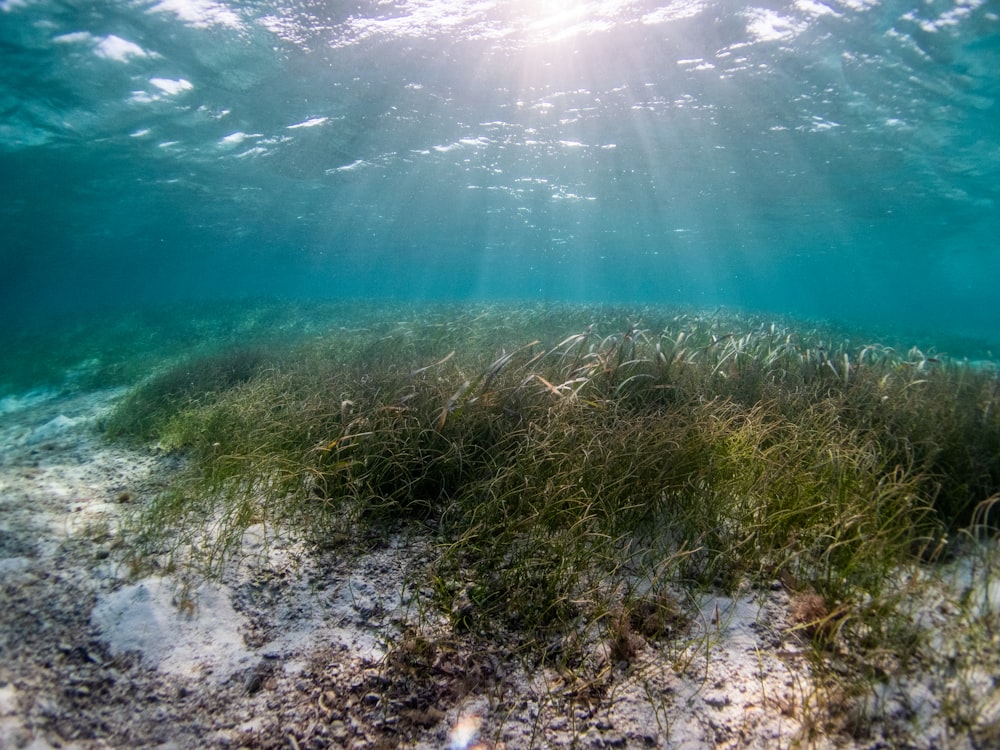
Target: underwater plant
(579,480)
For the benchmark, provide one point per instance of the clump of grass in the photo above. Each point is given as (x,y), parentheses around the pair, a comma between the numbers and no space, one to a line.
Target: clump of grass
(579,469)
(185,387)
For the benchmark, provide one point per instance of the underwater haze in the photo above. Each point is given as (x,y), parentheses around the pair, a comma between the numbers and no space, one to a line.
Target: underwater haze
(835,159)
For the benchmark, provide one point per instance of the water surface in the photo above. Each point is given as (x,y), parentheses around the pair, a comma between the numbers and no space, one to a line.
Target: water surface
(835,160)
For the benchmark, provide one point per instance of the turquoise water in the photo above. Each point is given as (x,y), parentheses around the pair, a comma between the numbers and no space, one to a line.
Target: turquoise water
(834,160)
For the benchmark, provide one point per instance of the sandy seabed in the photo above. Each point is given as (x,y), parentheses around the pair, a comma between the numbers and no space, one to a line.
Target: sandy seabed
(293,650)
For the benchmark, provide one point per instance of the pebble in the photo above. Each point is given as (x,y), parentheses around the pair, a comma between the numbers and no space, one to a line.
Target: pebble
(50,430)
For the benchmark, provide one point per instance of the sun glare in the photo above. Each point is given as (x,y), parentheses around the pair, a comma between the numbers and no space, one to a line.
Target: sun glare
(559,19)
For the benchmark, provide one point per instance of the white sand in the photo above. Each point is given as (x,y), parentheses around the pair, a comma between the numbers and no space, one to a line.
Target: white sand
(202,636)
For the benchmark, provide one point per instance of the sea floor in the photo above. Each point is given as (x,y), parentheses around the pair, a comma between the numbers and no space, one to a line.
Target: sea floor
(294,650)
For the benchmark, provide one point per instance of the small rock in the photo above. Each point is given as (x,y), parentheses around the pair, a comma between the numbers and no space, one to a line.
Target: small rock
(339,730)
(50,430)
(717,701)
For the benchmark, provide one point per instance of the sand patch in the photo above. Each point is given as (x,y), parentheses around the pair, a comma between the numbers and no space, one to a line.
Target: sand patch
(189,634)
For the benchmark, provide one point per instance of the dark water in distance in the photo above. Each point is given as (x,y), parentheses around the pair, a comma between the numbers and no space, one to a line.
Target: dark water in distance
(837,159)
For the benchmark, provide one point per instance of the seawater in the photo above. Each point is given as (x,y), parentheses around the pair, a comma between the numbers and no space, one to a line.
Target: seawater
(829,159)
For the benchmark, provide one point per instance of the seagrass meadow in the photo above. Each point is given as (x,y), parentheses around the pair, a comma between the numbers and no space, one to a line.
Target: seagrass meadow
(577,467)
(578,473)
